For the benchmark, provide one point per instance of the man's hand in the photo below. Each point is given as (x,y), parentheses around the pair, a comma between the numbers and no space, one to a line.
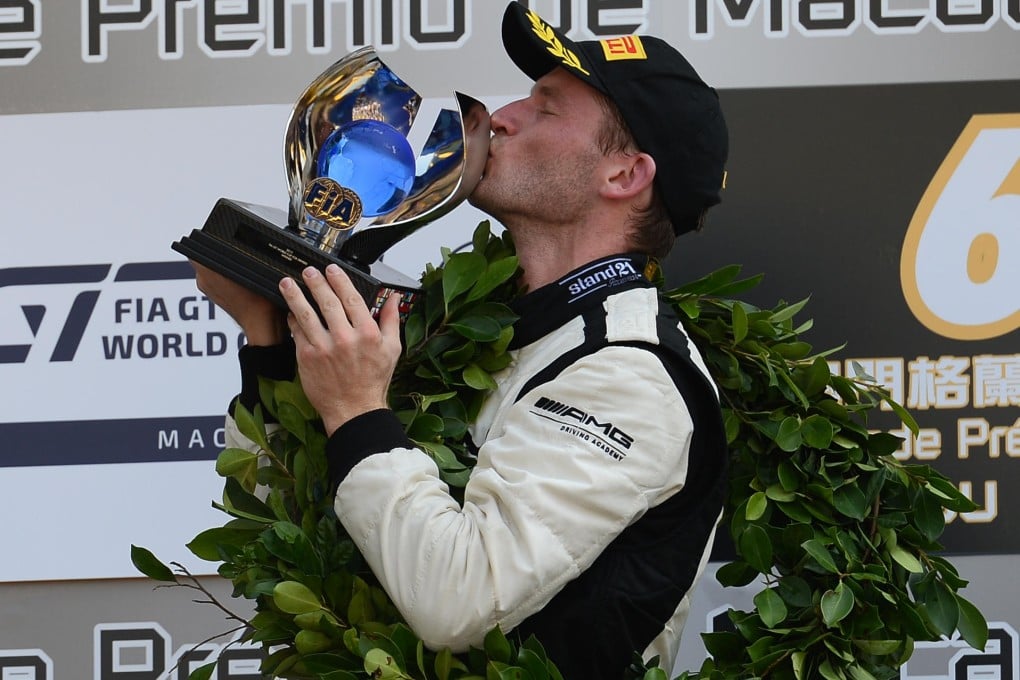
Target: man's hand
(262,322)
(345,365)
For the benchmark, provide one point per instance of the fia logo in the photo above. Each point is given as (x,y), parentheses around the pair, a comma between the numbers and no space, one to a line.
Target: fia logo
(336,205)
(958,268)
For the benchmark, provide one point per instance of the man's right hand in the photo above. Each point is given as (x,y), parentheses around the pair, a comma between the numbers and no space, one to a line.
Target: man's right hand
(262,321)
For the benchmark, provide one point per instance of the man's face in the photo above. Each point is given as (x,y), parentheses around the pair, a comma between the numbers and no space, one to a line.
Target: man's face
(543,154)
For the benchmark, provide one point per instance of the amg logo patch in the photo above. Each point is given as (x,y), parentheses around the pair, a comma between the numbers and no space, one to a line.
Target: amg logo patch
(604,435)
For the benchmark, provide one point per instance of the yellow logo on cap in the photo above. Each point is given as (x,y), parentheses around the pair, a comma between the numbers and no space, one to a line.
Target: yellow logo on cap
(627,47)
(546,33)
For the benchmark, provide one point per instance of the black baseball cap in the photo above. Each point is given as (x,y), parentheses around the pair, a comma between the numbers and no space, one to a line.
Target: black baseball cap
(672,114)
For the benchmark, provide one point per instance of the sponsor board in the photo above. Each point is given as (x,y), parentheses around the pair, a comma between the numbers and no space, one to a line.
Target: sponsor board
(895,209)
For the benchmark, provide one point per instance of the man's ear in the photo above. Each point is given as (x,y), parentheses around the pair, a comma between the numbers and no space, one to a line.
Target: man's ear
(628,174)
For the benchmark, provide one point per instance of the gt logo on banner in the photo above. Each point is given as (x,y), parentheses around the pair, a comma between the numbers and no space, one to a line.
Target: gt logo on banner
(959,263)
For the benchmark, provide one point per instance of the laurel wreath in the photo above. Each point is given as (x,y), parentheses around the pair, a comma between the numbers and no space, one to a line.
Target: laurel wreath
(840,537)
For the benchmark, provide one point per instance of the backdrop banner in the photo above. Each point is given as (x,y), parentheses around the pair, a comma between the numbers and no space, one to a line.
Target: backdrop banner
(875,168)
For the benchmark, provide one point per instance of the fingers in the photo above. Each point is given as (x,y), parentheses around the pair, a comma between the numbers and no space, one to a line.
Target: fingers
(389,318)
(303,319)
(339,302)
(354,307)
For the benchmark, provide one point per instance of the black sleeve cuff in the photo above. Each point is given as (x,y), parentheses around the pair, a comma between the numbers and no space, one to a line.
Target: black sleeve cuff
(361,437)
(276,362)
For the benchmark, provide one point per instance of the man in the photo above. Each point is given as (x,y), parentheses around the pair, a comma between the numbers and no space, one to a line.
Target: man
(600,473)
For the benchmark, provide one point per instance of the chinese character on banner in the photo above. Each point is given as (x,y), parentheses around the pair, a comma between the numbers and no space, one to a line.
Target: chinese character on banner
(938,384)
(996,380)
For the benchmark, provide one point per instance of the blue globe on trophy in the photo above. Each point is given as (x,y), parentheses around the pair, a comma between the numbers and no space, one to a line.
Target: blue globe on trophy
(372,159)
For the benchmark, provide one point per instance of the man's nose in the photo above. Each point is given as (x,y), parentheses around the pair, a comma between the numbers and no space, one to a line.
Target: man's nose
(502,119)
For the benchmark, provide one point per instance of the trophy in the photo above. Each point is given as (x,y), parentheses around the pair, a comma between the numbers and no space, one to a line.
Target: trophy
(357,186)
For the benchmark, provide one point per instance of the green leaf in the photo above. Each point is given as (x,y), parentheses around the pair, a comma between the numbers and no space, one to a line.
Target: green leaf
(414,331)
(424,427)
(295,598)
(739,323)
(444,663)
(708,284)
(478,378)
(291,392)
(146,562)
(972,624)
(857,672)
(789,311)
(878,647)
(816,549)
(837,604)
(235,462)
(241,502)
(240,464)
(480,236)
(792,351)
(289,542)
(817,432)
(478,328)
(756,548)
(532,664)
(928,516)
(427,400)
(904,416)
(815,379)
(756,506)
(495,274)
(207,544)
(381,665)
(246,423)
(905,559)
(951,496)
(496,646)
(724,645)
(360,608)
(458,356)
(461,272)
(850,501)
(312,641)
(771,607)
(777,493)
(789,476)
(942,607)
(795,591)
(797,659)
(789,438)
(736,574)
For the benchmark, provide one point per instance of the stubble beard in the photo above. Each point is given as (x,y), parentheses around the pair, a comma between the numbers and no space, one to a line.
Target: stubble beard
(552,194)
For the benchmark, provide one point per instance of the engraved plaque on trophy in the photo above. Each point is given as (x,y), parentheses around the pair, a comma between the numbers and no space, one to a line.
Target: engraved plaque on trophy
(356,185)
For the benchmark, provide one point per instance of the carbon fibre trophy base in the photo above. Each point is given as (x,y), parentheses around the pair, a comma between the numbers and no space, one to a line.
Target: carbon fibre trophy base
(252,245)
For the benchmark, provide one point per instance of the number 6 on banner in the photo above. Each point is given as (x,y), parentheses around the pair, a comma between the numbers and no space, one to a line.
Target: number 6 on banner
(960,266)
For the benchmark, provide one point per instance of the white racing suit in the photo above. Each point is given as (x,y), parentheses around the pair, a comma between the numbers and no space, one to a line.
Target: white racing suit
(599,481)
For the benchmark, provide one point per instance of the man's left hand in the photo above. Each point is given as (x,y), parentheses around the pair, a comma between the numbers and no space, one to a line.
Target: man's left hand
(346,363)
